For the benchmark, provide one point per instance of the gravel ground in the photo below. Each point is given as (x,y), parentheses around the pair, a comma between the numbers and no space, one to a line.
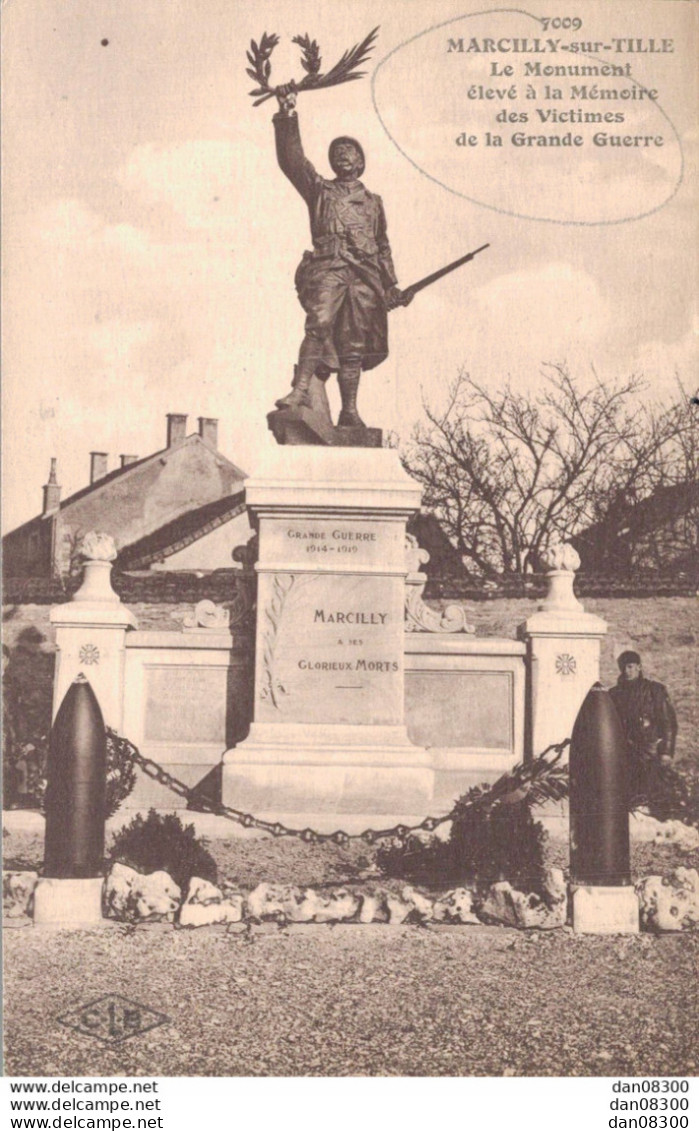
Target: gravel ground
(357,1000)
(251,862)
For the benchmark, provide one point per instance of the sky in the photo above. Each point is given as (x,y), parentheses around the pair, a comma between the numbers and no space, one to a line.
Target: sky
(150,240)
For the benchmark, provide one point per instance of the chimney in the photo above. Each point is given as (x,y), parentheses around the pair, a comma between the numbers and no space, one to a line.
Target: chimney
(98,466)
(176,428)
(52,491)
(126,460)
(208,430)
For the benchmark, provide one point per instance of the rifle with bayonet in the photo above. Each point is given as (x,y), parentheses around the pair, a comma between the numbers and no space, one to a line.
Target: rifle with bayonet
(408,294)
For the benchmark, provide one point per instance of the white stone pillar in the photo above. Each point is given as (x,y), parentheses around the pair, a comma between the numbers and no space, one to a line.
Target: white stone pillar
(563,647)
(329,734)
(91,631)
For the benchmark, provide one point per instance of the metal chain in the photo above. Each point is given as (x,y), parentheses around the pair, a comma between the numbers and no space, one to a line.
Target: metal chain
(310,836)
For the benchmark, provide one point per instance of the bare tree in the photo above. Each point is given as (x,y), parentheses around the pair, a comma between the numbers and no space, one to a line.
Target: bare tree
(507,472)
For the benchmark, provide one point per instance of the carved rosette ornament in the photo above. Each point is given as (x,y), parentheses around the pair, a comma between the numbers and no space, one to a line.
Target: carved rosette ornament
(419,617)
(566,664)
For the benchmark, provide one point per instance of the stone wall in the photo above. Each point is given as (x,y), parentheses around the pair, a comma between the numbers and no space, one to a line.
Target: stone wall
(665,630)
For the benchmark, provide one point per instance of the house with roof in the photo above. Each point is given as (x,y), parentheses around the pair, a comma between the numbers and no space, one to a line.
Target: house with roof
(181,508)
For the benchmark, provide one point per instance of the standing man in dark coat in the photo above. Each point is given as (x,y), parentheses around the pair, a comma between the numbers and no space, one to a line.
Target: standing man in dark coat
(347,283)
(647,715)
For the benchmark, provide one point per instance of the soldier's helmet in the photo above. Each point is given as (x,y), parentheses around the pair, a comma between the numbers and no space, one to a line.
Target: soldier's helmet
(346,141)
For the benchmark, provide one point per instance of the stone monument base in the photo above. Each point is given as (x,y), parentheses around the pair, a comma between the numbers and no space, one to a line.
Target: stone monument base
(297,426)
(68,903)
(329,732)
(326,769)
(605,910)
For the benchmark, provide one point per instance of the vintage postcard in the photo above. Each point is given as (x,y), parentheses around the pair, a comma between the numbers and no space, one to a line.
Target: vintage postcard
(351,517)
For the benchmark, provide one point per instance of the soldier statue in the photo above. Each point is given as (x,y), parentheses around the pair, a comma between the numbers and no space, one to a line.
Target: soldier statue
(347,283)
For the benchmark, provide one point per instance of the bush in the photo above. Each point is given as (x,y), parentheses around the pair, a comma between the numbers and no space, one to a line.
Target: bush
(121,770)
(162,843)
(669,793)
(499,843)
(487,843)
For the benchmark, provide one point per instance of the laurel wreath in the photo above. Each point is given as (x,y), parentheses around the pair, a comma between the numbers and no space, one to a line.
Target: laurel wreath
(345,70)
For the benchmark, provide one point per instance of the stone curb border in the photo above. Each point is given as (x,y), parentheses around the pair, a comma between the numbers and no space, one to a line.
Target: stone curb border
(132,898)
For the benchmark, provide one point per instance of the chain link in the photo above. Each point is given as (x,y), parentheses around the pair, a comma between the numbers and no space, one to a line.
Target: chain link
(309,836)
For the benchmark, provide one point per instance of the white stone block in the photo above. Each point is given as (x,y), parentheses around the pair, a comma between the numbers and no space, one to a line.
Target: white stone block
(372,909)
(456,907)
(670,903)
(398,909)
(605,910)
(18,893)
(68,902)
(423,906)
(278,901)
(209,914)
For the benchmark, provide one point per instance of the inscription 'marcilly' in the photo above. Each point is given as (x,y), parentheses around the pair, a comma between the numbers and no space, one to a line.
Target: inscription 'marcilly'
(321,617)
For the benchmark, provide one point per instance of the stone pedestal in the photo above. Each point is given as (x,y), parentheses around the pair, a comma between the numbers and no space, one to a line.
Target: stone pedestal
(605,910)
(563,651)
(68,903)
(91,633)
(329,733)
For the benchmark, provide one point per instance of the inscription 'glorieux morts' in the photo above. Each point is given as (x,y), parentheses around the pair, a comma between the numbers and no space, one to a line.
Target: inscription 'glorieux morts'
(332,649)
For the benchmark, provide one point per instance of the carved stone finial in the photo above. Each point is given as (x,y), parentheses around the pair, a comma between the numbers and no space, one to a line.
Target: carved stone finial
(98,547)
(99,551)
(560,556)
(561,561)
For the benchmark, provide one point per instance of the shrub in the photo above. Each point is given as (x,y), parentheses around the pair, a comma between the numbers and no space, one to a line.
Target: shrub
(162,843)
(121,770)
(487,844)
(493,835)
(499,843)
(669,793)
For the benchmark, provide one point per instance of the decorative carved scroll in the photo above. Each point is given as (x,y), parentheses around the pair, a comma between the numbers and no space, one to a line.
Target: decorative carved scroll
(206,614)
(419,617)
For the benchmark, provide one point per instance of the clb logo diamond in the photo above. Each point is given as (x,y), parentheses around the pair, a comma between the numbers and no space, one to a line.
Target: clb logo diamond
(112,1018)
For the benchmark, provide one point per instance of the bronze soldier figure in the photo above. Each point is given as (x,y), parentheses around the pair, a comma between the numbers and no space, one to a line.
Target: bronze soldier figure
(347,283)
(647,715)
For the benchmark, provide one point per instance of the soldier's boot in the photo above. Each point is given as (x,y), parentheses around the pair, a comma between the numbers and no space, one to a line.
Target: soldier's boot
(348,380)
(299,396)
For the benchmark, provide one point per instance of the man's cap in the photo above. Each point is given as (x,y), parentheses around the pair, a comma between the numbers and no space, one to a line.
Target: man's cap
(349,141)
(628,658)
